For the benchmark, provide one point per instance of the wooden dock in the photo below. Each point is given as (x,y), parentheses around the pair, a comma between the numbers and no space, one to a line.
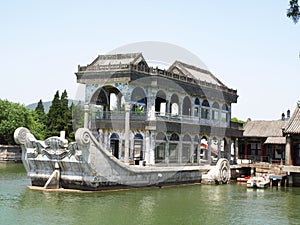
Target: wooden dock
(280,175)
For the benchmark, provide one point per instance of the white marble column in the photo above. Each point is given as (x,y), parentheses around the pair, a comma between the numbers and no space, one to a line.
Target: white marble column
(209,141)
(127,129)
(86,116)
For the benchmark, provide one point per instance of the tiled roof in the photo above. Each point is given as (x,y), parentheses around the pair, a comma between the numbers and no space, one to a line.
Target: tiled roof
(194,72)
(276,140)
(293,127)
(116,59)
(262,128)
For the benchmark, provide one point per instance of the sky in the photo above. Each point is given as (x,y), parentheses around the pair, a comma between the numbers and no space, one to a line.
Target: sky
(250,46)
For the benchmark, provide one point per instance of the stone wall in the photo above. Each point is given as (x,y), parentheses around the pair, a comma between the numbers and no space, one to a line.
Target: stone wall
(11,153)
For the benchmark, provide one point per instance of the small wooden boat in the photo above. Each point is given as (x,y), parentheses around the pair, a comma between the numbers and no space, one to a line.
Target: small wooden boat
(259,181)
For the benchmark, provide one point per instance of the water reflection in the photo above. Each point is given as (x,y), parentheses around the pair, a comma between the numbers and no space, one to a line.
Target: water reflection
(146,208)
(198,204)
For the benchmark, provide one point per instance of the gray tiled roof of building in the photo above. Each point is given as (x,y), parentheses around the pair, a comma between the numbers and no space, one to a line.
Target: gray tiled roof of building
(275,140)
(116,59)
(194,72)
(293,127)
(261,128)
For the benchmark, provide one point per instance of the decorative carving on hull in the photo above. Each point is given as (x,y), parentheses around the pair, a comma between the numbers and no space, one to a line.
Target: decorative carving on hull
(54,148)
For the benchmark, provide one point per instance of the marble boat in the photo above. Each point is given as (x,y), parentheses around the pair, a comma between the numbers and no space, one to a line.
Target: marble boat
(86,165)
(143,126)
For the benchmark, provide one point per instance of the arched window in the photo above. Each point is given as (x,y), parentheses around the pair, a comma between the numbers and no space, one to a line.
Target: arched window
(225,107)
(205,103)
(197,107)
(215,105)
(225,113)
(174,137)
(160,148)
(205,109)
(215,111)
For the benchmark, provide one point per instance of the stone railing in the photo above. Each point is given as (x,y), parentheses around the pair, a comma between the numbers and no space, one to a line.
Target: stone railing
(154,72)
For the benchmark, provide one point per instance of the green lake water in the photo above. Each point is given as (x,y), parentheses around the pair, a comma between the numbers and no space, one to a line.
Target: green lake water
(197,204)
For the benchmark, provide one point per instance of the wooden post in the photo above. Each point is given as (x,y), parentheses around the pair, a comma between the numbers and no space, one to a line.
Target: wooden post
(288,151)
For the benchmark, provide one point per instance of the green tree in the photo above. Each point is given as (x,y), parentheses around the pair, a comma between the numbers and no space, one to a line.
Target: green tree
(40,111)
(63,114)
(53,117)
(37,128)
(293,11)
(70,128)
(14,115)
(59,117)
(236,120)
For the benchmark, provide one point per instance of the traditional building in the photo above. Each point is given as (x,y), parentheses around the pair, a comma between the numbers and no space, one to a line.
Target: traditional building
(147,115)
(263,141)
(292,134)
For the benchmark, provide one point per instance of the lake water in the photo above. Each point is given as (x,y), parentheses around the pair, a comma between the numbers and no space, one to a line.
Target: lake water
(197,204)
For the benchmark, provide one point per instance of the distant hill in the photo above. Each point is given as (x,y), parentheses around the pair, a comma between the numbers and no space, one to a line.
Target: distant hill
(48,104)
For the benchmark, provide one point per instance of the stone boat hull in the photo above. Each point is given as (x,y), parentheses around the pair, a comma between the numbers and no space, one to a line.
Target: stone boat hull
(87,165)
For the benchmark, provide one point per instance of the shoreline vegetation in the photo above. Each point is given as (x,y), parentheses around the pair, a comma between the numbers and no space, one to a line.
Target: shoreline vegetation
(63,114)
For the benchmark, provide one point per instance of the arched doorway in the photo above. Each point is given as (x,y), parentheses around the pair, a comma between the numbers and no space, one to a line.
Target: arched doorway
(174,105)
(161,103)
(173,148)
(203,148)
(139,100)
(105,100)
(114,144)
(160,148)
(186,108)
(138,153)
(186,149)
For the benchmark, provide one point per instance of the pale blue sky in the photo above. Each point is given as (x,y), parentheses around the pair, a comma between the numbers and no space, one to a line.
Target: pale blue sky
(249,45)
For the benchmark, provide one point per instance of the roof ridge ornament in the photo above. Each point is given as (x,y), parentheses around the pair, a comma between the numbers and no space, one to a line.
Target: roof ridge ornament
(298,103)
